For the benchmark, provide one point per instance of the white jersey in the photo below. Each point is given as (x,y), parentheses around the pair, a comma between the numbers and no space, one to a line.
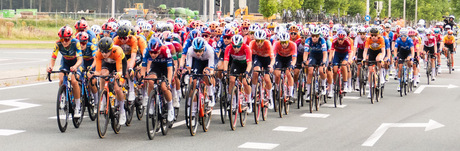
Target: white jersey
(207,55)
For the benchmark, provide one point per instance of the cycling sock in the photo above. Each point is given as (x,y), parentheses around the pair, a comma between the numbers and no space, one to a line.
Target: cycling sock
(178,94)
(291,90)
(269,93)
(131,85)
(433,71)
(122,106)
(170,105)
(173,93)
(253,88)
(345,84)
(77,102)
(193,108)
(308,89)
(209,89)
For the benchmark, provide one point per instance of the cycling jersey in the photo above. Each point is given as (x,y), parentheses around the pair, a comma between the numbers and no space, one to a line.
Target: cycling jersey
(438,38)
(129,47)
(72,52)
(377,46)
(242,56)
(429,41)
(141,43)
(208,55)
(448,40)
(359,43)
(92,36)
(116,57)
(317,47)
(164,56)
(291,50)
(264,51)
(345,47)
(149,36)
(400,45)
(246,40)
(187,44)
(172,49)
(89,52)
(212,43)
(178,48)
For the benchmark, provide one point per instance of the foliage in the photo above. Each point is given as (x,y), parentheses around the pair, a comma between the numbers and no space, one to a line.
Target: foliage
(267,7)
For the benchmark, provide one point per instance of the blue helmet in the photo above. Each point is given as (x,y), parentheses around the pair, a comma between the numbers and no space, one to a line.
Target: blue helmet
(437,30)
(198,43)
(195,33)
(155,44)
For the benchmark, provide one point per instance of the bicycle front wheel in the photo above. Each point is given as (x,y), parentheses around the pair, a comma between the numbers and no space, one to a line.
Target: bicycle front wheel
(257,103)
(115,116)
(233,111)
(102,119)
(280,99)
(90,106)
(62,109)
(151,119)
(77,121)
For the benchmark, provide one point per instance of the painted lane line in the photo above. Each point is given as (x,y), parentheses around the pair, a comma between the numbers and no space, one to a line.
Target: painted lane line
(385,126)
(289,129)
(332,106)
(28,85)
(351,97)
(253,145)
(16,104)
(62,117)
(176,124)
(422,87)
(315,115)
(43,60)
(7,132)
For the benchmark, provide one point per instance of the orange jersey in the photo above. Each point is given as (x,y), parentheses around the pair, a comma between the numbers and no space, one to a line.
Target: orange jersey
(291,50)
(449,40)
(141,43)
(132,43)
(375,45)
(264,51)
(116,57)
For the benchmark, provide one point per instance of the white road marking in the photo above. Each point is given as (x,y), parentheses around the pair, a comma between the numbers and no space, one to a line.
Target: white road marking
(315,115)
(7,132)
(16,104)
(385,126)
(25,52)
(28,85)
(62,117)
(421,87)
(42,60)
(289,129)
(215,112)
(176,124)
(332,105)
(4,59)
(253,145)
(351,97)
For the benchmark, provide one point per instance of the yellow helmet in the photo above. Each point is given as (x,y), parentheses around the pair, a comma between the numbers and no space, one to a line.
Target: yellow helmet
(271,25)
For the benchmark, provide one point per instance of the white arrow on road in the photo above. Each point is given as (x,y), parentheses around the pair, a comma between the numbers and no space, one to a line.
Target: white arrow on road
(421,87)
(16,104)
(385,126)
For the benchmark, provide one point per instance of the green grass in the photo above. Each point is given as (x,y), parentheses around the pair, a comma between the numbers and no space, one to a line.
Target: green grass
(29,46)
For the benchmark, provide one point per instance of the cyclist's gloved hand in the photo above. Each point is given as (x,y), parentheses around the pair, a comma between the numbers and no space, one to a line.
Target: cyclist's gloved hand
(246,74)
(291,66)
(118,75)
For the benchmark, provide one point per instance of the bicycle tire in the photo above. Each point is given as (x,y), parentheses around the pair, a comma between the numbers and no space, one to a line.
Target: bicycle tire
(129,112)
(371,88)
(91,107)
(312,93)
(428,70)
(264,104)
(77,121)
(401,84)
(257,103)
(377,89)
(193,120)
(151,120)
(337,90)
(223,102)
(300,88)
(207,117)
(449,61)
(233,115)
(280,99)
(62,96)
(164,124)
(286,103)
(102,119)
(115,117)
(318,94)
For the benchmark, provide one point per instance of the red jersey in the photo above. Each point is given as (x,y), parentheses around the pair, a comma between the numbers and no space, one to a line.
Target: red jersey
(345,47)
(291,50)
(243,55)
(264,51)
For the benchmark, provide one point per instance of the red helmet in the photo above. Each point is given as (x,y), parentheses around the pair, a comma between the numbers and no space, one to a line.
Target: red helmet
(193,24)
(170,21)
(81,25)
(107,26)
(111,19)
(151,21)
(412,33)
(82,36)
(268,32)
(65,31)
(177,27)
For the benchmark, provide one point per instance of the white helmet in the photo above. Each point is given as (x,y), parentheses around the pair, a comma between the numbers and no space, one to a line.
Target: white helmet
(283,36)
(362,30)
(237,40)
(97,29)
(315,31)
(428,31)
(260,34)
(277,29)
(146,27)
(253,27)
(448,27)
(421,22)
(114,25)
(335,27)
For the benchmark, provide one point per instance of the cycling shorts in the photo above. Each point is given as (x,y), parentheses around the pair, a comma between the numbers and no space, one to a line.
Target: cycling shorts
(299,61)
(315,59)
(282,62)
(198,66)
(430,51)
(339,58)
(402,55)
(112,67)
(262,62)
(159,69)
(238,67)
(450,47)
(66,64)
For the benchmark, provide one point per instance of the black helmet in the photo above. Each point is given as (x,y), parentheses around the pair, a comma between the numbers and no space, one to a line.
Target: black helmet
(374,30)
(132,31)
(105,44)
(123,31)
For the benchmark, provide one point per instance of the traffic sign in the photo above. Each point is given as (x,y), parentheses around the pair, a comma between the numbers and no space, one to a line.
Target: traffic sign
(367,18)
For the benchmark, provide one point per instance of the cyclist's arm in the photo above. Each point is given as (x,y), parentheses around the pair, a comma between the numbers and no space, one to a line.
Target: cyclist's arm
(411,52)
(170,73)
(226,57)
(54,55)
(306,50)
(78,55)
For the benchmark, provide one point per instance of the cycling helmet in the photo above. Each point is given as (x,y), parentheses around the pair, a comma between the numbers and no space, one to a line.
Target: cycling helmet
(374,30)
(111,19)
(65,31)
(205,30)
(114,25)
(146,27)
(315,31)
(381,30)
(198,43)
(82,36)
(387,25)
(237,40)
(437,30)
(324,29)
(428,32)
(293,29)
(304,32)
(137,30)
(260,34)
(105,44)
(420,30)
(141,23)
(107,26)
(353,34)
(277,29)
(283,36)
(213,25)
(195,33)
(404,32)
(229,32)
(219,30)
(81,25)
(452,16)
(341,34)
(123,31)
(96,29)
(254,27)
(412,33)
(222,24)
(450,32)
(155,44)
(245,24)
(448,27)
(335,28)
(271,25)
(151,21)
(362,30)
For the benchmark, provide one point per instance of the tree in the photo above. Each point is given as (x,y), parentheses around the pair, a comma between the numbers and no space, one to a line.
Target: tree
(267,7)
(314,5)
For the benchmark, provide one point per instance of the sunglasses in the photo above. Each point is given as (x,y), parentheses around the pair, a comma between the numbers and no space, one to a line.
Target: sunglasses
(271,29)
(411,36)
(284,42)
(154,52)
(198,50)
(227,37)
(66,39)
(123,38)
(340,39)
(361,33)
(260,41)
(404,36)
(302,37)
(205,36)
(235,46)
(293,33)
(245,28)
(84,42)
(374,35)
(251,33)
(314,36)
(106,31)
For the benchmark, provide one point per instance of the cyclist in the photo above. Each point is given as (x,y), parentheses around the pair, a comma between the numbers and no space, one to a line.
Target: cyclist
(263,58)
(340,52)
(82,26)
(88,50)
(286,57)
(107,30)
(241,64)
(405,52)
(376,44)
(71,60)
(359,48)
(160,63)
(129,45)
(111,58)
(250,37)
(439,38)
(200,60)
(315,54)
(449,45)
(412,34)
(224,41)
(300,43)
(430,48)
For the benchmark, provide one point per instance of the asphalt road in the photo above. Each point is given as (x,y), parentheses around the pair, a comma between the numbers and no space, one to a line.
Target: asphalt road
(419,121)
(14,59)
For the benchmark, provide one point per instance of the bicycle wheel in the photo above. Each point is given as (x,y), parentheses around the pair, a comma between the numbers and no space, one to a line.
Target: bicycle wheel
(233,111)
(207,117)
(90,106)
(139,110)
(151,119)
(287,104)
(300,88)
(188,103)
(77,121)
(193,119)
(264,103)
(312,93)
(280,100)
(428,71)
(318,93)
(164,124)
(244,108)
(183,86)
(275,96)
(223,102)
(401,84)
(371,87)
(102,119)
(62,109)
(257,103)
(337,90)
(129,108)
(449,61)
(377,88)
(114,116)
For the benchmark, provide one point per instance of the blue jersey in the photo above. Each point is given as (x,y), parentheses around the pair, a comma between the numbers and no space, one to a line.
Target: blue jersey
(221,45)
(317,47)
(113,34)
(92,36)
(387,43)
(400,45)
(187,44)
(390,35)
